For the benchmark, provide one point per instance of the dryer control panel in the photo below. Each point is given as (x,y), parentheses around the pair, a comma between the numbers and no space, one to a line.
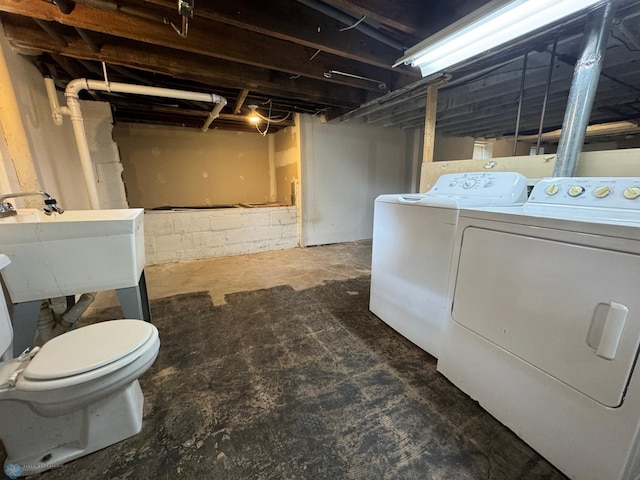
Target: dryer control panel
(488,188)
(598,192)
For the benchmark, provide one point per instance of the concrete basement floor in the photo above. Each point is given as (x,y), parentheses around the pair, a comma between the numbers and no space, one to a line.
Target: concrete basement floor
(272,367)
(300,268)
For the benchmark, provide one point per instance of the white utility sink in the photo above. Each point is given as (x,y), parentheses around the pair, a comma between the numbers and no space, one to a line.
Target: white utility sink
(71,253)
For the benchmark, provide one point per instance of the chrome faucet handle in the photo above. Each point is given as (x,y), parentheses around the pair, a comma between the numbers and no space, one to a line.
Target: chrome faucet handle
(7,210)
(52,206)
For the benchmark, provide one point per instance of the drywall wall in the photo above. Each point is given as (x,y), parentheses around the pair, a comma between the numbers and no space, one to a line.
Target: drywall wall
(612,163)
(165,165)
(287,161)
(345,167)
(461,148)
(609,163)
(452,148)
(8,177)
(537,166)
(46,152)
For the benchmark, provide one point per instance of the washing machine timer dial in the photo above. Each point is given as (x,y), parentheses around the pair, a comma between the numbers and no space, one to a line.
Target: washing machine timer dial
(575,191)
(552,189)
(469,183)
(631,193)
(602,192)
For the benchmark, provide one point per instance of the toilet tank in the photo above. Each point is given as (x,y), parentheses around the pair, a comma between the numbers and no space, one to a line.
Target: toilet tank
(6,330)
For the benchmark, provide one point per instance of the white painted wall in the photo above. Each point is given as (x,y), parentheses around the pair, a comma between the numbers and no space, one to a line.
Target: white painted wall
(344,168)
(8,178)
(52,149)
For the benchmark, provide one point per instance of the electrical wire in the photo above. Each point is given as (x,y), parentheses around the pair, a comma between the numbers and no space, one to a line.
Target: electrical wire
(268,118)
(354,25)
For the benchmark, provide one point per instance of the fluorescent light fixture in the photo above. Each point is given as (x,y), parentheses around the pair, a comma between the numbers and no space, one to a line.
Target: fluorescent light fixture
(497,23)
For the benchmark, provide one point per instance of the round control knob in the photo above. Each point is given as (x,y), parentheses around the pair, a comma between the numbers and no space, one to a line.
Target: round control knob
(602,192)
(631,193)
(575,191)
(552,189)
(469,183)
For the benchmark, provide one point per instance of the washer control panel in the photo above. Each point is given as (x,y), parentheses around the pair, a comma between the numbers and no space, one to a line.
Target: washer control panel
(605,192)
(501,187)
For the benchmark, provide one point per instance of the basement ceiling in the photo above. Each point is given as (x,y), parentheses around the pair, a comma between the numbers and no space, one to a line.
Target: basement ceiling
(332,58)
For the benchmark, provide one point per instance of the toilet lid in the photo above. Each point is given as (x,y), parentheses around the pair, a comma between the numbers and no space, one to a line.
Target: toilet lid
(87,348)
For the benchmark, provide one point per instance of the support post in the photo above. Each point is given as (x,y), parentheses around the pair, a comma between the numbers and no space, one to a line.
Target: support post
(583,89)
(520,99)
(430,123)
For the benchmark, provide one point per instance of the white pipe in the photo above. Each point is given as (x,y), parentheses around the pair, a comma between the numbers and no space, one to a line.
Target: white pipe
(53,101)
(74,87)
(83,150)
(213,115)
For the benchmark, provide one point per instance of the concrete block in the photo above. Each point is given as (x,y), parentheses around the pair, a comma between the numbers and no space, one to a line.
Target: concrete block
(188,222)
(149,245)
(162,257)
(230,250)
(272,232)
(290,231)
(284,216)
(158,223)
(226,222)
(169,243)
(258,216)
(208,239)
(239,235)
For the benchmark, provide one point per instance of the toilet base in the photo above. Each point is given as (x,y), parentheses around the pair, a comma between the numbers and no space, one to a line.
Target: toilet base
(35,443)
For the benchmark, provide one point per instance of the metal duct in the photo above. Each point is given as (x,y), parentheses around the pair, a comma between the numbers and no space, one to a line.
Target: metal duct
(586,76)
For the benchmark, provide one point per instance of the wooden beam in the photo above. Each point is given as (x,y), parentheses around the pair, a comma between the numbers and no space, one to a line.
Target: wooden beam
(430,123)
(52,29)
(213,39)
(297,23)
(403,15)
(240,101)
(23,34)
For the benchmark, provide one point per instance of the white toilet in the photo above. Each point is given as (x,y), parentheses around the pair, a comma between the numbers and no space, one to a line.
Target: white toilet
(77,394)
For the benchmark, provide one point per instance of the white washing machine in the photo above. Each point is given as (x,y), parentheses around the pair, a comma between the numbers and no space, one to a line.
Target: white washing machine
(545,321)
(412,246)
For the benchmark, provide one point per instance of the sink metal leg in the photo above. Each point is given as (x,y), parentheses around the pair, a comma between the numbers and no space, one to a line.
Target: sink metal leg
(25,323)
(135,301)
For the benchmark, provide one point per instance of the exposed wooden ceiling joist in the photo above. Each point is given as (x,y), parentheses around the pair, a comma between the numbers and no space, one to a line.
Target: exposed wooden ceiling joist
(282,51)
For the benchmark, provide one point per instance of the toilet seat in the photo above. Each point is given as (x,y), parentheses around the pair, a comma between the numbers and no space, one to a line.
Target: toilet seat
(87,353)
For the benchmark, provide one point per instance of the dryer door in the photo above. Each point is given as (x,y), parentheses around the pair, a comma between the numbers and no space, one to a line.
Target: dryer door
(570,310)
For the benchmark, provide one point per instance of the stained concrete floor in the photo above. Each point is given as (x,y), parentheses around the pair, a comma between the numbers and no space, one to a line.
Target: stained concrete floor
(272,367)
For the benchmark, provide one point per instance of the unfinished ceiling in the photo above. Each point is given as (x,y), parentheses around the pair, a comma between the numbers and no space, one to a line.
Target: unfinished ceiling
(331,57)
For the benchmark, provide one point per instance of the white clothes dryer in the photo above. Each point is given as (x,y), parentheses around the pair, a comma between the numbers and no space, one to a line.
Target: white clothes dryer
(412,245)
(545,321)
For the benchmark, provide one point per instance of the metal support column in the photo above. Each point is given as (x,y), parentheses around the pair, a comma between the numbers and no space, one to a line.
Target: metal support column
(583,89)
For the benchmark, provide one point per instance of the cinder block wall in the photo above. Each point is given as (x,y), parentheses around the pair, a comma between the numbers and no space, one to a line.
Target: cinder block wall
(176,236)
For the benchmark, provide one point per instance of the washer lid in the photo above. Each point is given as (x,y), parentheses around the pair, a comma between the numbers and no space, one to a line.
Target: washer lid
(87,348)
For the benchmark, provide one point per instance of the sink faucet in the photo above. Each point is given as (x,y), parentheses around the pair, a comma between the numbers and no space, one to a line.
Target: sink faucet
(7,210)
